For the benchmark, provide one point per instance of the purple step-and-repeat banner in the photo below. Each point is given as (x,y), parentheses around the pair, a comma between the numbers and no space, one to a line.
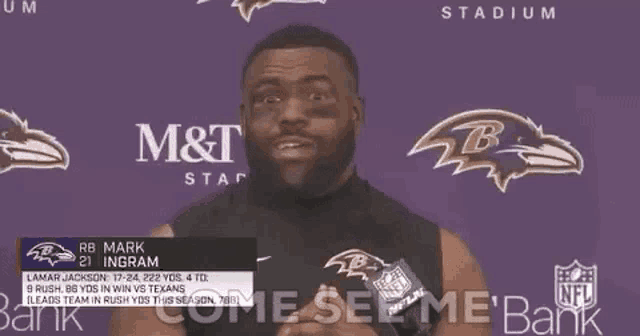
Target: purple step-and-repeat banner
(109,80)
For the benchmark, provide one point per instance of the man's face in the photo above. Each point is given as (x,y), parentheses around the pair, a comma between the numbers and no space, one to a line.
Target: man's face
(300,118)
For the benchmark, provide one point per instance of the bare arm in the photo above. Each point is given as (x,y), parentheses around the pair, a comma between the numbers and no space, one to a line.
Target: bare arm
(145,321)
(461,273)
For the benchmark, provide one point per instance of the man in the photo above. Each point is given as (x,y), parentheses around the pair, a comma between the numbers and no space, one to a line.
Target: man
(305,203)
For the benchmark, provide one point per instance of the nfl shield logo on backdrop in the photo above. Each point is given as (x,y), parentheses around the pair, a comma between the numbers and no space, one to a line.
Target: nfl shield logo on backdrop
(576,286)
(393,285)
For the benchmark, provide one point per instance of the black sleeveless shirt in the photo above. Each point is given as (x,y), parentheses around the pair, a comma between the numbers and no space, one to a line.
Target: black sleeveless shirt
(300,236)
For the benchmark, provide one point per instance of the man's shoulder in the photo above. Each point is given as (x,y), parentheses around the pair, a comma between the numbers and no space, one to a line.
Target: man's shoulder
(390,211)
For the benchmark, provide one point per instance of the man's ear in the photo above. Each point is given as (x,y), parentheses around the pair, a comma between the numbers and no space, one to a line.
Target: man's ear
(242,113)
(358,112)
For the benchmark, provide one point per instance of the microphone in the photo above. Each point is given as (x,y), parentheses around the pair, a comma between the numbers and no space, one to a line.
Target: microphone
(395,288)
(397,291)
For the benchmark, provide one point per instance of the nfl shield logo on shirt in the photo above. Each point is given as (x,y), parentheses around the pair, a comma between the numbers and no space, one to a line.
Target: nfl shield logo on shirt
(393,285)
(576,286)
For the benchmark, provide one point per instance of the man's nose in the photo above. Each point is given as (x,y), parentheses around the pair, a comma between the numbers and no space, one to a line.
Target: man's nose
(293,113)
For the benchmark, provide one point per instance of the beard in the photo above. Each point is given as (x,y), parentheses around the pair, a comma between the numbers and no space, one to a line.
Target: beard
(308,179)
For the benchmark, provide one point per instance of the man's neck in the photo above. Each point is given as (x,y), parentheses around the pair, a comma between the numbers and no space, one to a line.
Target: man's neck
(344,177)
(261,194)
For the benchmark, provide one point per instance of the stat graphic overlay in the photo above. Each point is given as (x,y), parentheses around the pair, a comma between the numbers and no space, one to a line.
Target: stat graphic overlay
(137,272)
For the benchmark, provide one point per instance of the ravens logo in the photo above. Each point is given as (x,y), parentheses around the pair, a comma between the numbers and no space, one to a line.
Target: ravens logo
(246,7)
(509,145)
(51,252)
(357,263)
(21,147)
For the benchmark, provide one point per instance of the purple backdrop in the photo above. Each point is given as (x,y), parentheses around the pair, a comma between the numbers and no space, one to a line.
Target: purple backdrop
(88,71)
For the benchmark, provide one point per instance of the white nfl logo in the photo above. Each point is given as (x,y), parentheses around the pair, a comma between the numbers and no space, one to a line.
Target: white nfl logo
(576,286)
(393,285)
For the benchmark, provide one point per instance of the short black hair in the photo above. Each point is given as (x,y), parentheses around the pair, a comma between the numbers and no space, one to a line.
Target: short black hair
(302,35)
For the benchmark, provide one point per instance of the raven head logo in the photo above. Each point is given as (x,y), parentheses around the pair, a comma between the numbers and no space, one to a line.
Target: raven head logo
(246,7)
(21,147)
(509,145)
(357,263)
(51,252)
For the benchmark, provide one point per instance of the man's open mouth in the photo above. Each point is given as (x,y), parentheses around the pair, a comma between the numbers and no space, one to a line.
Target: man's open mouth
(293,148)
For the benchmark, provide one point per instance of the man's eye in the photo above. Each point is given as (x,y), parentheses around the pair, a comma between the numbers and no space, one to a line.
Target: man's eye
(271,100)
(318,96)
